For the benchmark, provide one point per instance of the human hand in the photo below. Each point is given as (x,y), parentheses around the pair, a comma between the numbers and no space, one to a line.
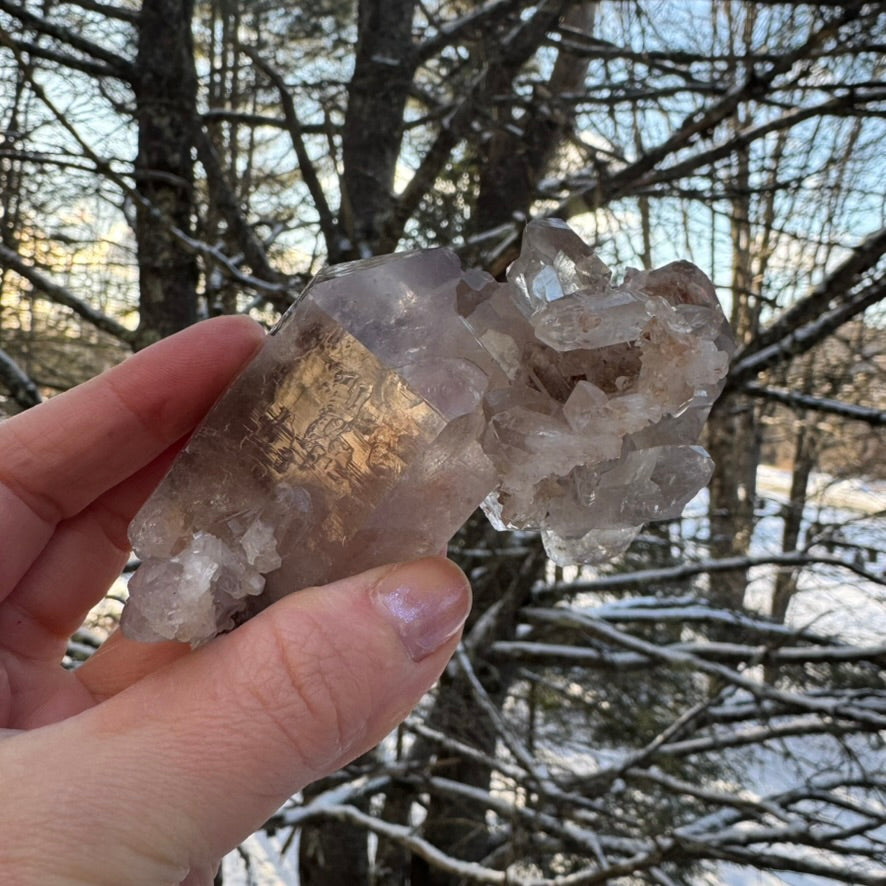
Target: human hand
(151,761)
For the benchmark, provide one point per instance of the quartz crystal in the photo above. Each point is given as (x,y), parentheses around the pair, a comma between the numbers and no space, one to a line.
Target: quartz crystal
(400,392)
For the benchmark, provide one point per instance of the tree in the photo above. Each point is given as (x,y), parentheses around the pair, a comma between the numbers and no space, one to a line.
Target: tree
(165,86)
(163,161)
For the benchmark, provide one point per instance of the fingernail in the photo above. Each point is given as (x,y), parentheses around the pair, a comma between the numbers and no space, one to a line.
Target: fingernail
(427,602)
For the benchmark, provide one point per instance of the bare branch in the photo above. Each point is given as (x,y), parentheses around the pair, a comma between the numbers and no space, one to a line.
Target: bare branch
(229,115)
(19,384)
(757,734)
(468,26)
(669,574)
(9,258)
(761,355)
(704,122)
(225,199)
(852,411)
(120,66)
(846,104)
(106,10)
(513,742)
(736,653)
(598,628)
(405,836)
(830,304)
(309,174)
(64,59)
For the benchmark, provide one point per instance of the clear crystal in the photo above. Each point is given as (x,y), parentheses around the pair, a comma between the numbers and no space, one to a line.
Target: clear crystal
(401,392)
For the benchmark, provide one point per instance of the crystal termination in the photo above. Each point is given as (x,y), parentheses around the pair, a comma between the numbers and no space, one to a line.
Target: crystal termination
(400,392)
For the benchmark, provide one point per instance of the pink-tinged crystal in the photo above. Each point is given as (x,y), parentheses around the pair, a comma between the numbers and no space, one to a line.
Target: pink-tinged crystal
(400,392)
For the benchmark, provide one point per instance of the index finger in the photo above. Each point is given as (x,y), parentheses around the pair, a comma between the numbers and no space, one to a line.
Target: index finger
(59,457)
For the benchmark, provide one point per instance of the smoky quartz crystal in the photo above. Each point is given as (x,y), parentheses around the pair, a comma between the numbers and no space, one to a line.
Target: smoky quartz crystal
(401,392)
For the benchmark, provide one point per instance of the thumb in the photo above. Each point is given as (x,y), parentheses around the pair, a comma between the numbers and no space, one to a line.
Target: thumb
(179,768)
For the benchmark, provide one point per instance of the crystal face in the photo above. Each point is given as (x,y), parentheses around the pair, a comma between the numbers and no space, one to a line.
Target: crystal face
(401,392)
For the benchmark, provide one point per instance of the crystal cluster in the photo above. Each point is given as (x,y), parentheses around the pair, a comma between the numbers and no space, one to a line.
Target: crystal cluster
(400,392)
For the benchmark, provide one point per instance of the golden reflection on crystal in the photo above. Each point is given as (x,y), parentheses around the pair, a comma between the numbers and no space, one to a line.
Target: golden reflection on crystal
(338,418)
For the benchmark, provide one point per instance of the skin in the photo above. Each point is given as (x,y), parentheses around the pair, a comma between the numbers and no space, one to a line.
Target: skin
(151,761)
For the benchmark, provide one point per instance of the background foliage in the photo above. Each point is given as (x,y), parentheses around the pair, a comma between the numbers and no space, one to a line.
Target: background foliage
(714,702)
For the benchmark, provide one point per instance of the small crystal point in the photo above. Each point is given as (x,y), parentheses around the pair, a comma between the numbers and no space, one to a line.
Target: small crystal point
(401,392)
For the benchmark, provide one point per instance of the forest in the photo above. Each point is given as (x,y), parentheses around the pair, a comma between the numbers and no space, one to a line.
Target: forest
(707,708)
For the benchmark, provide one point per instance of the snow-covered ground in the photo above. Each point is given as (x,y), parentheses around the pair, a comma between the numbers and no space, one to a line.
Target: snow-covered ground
(856,494)
(831,601)
(850,519)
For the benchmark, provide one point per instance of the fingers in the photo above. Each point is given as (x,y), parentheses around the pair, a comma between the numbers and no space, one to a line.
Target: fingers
(75,568)
(62,455)
(207,748)
(121,662)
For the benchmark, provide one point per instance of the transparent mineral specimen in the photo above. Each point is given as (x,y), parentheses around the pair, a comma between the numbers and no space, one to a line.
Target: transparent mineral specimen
(400,392)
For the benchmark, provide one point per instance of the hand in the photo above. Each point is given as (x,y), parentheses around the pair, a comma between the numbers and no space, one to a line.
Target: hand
(150,762)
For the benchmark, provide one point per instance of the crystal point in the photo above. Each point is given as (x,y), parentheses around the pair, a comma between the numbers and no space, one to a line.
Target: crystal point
(401,392)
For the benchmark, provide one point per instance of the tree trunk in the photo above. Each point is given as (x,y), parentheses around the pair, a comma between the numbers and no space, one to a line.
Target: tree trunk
(522,145)
(805,451)
(733,440)
(333,851)
(383,71)
(733,430)
(165,88)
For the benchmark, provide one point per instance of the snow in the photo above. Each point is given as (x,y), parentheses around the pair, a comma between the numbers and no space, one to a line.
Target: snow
(855,493)
(830,600)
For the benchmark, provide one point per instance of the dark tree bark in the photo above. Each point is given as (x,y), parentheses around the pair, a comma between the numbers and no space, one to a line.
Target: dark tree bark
(734,432)
(165,88)
(805,455)
(383,72)
(332,852)
(523,144)
(733,442)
